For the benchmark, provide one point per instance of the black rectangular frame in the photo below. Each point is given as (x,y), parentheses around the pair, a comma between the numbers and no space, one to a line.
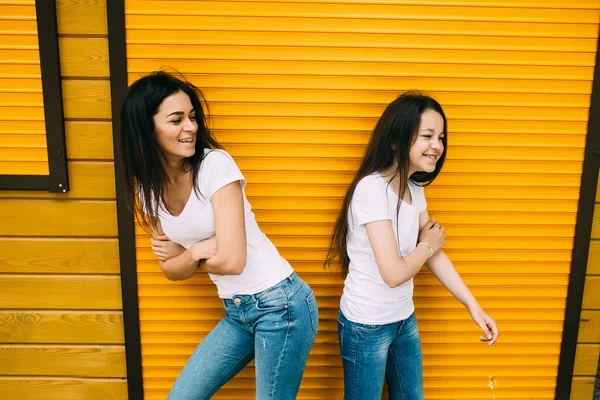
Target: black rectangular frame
(117,52)
(58,179)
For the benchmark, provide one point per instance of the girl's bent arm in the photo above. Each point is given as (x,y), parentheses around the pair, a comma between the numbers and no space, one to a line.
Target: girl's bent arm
(230,231)
(393,269)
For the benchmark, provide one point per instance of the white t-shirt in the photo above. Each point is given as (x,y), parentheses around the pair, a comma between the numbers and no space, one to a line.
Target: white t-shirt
(367,299)
(264,266)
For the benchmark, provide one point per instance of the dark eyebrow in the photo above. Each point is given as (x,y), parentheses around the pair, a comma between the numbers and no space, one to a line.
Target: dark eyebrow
(175,113)
(180,113)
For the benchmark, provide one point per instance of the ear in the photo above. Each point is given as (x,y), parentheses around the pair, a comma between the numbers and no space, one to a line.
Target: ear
(395,147)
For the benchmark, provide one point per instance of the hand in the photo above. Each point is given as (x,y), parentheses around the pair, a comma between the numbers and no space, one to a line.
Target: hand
(433,234)
(165,249)
(487,325)
(205,249)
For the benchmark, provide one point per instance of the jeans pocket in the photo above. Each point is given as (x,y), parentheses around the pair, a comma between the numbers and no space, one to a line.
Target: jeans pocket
(313,310)
(275,300)
(367,328)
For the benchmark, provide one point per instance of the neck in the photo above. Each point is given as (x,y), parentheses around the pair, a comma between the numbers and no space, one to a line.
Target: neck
(173,169)
(393,177)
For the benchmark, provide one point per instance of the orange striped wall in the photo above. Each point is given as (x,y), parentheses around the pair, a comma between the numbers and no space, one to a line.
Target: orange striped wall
(295,88)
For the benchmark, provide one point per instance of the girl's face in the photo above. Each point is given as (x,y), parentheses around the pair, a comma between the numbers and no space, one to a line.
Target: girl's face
(175,127)
(428,145)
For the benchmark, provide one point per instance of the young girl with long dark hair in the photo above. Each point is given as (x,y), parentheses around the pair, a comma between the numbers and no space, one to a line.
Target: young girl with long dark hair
(383,237)
(192,197)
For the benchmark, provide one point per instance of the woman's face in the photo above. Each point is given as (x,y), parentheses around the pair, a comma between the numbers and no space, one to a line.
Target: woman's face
(175,127)
(428,146)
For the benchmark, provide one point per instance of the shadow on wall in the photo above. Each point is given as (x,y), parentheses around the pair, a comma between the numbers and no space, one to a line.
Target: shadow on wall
(597,386)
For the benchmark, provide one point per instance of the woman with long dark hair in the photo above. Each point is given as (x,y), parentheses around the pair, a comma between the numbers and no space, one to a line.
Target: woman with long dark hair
(382,238)
(192,200)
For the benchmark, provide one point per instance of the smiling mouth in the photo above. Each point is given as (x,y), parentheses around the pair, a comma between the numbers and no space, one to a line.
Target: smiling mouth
(430,156)
(191,140)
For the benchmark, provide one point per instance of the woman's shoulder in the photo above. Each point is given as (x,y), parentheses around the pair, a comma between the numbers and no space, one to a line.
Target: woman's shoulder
(215,158)
(216,154)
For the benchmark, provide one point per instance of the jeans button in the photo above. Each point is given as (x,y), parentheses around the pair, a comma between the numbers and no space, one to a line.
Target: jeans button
(237,301)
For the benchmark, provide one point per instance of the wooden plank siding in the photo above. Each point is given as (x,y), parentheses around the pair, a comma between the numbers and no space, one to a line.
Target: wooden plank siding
(295,87)
(588,341)
(61,324)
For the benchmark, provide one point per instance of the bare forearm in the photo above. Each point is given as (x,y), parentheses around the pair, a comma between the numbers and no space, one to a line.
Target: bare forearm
(224,264)
(183,266)
(443,269)
(412,264)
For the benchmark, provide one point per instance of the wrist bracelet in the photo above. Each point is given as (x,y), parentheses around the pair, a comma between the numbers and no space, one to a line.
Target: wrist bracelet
(429,247)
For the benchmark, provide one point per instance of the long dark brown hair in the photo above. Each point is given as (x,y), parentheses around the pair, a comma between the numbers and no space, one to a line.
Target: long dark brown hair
(392,138)
(144,170)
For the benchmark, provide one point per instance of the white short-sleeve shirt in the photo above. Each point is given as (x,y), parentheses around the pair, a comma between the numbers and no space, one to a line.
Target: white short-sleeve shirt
(366,298)
(264,266)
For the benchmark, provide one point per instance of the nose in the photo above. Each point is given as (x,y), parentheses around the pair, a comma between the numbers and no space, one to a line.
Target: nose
(188,125)
(437,144)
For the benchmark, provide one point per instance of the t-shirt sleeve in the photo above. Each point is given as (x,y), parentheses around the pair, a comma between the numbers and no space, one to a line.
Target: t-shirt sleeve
(217,170)
(369,201)
(419,197)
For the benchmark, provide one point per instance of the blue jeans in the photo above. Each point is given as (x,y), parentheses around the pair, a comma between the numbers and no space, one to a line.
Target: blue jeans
(372,353)
(277,327)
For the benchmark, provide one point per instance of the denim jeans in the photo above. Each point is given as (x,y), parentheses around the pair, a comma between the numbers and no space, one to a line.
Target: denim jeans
(372,353)
(276,327)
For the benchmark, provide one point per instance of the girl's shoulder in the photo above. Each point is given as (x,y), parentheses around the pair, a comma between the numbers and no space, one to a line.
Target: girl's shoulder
(416,188)
(418,195)
(371,184)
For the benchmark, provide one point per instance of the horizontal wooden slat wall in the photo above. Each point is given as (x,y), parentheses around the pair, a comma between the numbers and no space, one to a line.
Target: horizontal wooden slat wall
(295,87)
(61,324)
(22,131)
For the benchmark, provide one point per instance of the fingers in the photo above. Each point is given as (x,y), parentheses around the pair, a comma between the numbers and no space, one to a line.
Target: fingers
(494,329)
(490,331)
(159,237)
(429,224)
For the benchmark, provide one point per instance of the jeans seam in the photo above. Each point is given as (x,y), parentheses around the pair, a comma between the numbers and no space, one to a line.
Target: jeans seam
(354,357)
(397,374)
(287,334)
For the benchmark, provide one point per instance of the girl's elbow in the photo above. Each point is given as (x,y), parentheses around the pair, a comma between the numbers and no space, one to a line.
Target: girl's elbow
(393,283)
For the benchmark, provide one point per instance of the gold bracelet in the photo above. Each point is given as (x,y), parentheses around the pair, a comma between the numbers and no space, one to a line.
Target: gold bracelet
(428,246)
